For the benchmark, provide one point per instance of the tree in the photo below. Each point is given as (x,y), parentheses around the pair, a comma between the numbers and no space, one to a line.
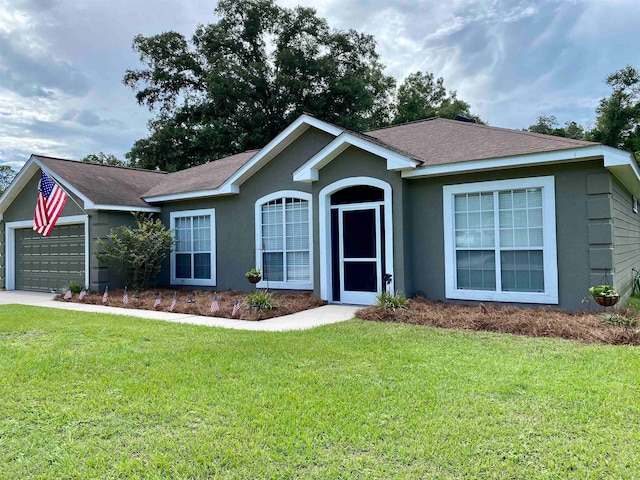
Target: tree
(421,95)
(618,116)
(7,175)
(137,252)
(104,159)
(240,81)
(549,125)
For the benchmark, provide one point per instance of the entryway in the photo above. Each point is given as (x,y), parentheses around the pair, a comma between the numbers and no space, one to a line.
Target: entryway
(358,240)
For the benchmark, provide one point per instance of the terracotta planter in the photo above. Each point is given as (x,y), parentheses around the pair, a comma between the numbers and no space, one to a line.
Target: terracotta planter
(607,300)
(254,279)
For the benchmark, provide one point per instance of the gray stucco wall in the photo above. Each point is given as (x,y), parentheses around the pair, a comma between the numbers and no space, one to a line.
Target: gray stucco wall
(626,239)
(235,218)
(354,162)
(425,258)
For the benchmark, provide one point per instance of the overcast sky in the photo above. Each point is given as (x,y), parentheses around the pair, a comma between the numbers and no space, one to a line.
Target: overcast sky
(62,61)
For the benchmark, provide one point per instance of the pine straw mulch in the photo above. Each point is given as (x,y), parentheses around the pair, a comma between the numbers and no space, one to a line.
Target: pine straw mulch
(586,327)
(286,303)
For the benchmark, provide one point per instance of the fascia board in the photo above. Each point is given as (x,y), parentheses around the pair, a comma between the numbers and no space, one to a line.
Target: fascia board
(542,158)
(18,183)
(309,171)
(127,208)
(174,197)
(278,144)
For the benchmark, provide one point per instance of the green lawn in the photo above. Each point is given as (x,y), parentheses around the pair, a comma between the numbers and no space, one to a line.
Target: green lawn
(100,396)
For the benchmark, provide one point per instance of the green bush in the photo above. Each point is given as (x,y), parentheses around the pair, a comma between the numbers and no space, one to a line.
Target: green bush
(137,252)
(262,300)
(391,300)
(75,287)
(621,320)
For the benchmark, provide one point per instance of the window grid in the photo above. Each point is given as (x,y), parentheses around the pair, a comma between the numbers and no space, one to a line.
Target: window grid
(193,247)
(499,249)
(285,240)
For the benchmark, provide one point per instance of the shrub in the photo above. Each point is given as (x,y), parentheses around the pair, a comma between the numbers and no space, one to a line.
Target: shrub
(618,319)
(262,300)
(137,252)
(75,287)
(391,300)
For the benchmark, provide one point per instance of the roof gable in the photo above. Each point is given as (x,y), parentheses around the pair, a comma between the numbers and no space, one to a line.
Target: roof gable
(100,187)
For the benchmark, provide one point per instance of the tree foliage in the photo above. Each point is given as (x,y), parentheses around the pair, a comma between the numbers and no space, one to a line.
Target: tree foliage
(240,81)
(618,116)
(105,159)
(421,95)
(137,253)
(7,175)
(549,125)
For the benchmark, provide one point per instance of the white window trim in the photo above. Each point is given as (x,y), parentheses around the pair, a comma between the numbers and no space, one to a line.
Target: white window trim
(10,242)
(550,295)
(258,237)
(172,224)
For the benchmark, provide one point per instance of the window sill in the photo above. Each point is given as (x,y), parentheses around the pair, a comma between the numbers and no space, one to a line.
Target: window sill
(547,298)
(285,285)
(193,282)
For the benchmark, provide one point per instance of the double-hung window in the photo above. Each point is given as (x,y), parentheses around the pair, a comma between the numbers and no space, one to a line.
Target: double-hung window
(193,254)
(283,240)
(500,241)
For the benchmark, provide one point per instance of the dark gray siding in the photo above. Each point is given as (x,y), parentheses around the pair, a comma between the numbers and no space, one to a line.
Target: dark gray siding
(235,219)
(626,239)
(354,162)
(425,235)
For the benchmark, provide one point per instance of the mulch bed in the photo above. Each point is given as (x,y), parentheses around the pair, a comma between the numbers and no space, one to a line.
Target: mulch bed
(585,327)
(286,303)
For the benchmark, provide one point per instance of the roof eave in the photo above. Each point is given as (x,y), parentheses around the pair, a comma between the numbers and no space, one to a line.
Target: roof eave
(620,163)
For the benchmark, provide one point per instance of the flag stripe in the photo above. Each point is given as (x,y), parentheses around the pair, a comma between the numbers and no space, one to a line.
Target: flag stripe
(50,204)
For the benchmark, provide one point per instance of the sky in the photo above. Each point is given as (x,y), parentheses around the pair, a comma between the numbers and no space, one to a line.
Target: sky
(62,61)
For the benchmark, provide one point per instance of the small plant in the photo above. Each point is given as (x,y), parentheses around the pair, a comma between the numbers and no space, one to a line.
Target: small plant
(261,300)
(75,287)
(603,291)
(391,300)
(254,272)
(620,320)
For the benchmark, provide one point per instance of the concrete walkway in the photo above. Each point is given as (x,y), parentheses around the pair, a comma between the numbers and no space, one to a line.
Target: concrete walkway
(296,321)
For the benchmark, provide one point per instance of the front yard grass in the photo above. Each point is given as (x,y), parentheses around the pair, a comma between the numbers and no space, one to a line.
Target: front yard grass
(101,396)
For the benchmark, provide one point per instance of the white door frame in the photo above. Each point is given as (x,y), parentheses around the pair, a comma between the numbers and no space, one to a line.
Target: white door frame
(324,229)
(10,246)
(355,297)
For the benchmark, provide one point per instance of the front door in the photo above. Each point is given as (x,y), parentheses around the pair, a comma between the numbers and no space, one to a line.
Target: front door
(360,253)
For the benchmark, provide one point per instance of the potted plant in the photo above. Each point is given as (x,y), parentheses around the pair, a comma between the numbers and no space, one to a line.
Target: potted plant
(254,275)
(604,295)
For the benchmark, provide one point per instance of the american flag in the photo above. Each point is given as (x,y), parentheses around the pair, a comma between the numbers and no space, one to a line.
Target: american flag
(215,306)
(83,293)
(173,303)
(236,308)
(67,296)
(105,297)
(51,201)
(125,297)
(156,304)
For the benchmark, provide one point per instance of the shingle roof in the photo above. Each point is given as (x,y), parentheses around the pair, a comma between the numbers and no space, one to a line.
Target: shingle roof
(438,141)
(208,176)
(105,184)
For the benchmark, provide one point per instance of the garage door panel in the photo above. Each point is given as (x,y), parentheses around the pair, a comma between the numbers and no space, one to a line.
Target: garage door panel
(43,263)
